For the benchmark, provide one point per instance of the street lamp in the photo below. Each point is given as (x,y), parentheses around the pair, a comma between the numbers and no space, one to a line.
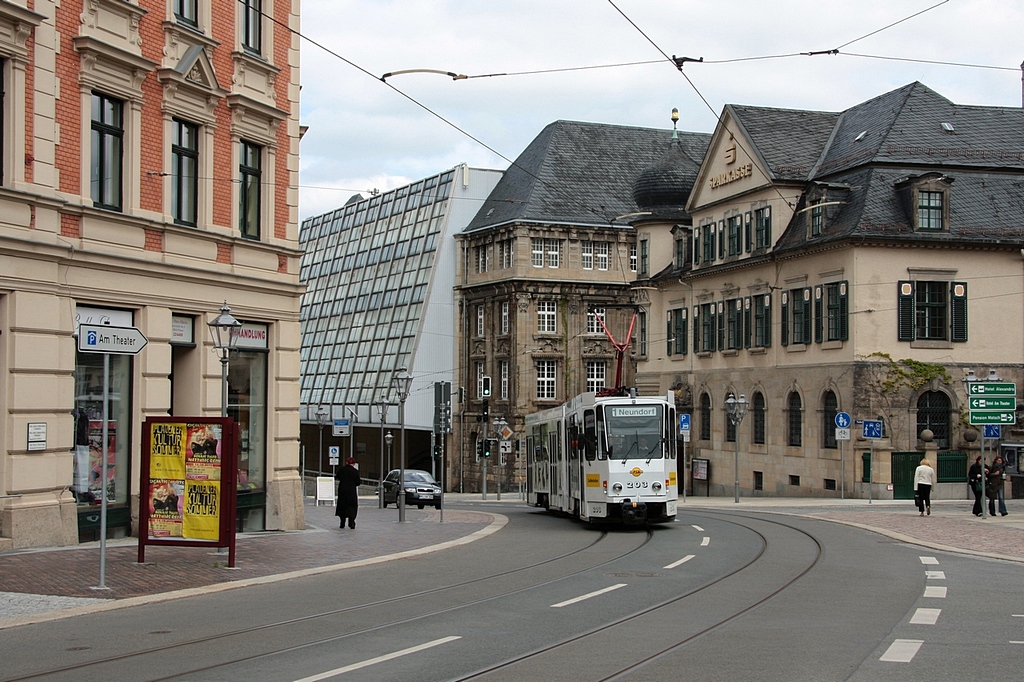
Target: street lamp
(382,409)
(388,438)
(321,419)
(401,382)
(736,408)
(224,330)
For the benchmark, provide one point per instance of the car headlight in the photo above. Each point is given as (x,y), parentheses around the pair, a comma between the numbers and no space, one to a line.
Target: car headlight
(656,486)
(616,487)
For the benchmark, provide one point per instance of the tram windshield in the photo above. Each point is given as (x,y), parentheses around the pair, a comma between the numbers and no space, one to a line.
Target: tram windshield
(634,431)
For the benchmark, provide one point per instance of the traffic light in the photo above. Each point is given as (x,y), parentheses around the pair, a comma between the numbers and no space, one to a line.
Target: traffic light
(489,447)
(480,448)
(487,409)
(485,387)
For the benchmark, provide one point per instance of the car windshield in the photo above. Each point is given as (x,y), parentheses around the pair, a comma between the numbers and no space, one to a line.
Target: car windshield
(418,477)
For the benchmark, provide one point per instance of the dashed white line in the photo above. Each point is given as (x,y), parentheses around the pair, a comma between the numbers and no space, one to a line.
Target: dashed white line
(586,596)
(705,542)
(902,651)
(378,659)
(935,592)
(935,575)
(925,617)
(697,528)
(681,561)
(929,561)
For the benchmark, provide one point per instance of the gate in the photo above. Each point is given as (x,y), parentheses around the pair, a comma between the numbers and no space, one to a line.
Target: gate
(904,464)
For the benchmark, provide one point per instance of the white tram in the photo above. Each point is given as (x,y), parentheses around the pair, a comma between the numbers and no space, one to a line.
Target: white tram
(605,459)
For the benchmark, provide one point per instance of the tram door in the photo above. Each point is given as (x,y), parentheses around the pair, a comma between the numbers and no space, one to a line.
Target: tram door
(557,485)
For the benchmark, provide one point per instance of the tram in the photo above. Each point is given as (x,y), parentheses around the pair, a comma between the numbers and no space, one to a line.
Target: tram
(605,459)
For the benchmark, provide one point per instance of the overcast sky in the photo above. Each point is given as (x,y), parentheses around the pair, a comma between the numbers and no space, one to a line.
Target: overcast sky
(365,134)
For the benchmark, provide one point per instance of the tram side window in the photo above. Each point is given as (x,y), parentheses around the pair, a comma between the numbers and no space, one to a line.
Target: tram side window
(602,443)
(589,435)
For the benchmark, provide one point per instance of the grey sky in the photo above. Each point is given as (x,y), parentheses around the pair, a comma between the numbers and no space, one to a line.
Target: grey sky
(365,134)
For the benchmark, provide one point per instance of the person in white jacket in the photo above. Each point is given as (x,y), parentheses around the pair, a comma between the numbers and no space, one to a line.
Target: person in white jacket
(924,479)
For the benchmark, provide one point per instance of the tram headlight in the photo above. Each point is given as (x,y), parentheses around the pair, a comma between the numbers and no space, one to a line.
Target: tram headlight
(616,488)
(656,486)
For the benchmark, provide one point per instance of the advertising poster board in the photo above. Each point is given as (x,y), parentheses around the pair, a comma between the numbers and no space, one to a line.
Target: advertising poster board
(189,467)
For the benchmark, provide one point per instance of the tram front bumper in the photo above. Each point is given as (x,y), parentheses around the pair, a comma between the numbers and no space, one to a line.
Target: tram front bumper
(634,513)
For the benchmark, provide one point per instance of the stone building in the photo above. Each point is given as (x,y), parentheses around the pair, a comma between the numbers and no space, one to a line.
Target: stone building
(545,278)
(149,171)
(861,261)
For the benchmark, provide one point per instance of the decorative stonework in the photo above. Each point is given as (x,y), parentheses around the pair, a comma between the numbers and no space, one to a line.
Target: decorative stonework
(523,302)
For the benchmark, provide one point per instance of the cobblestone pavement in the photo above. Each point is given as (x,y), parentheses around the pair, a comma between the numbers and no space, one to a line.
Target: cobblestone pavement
(54,579)
(56,582)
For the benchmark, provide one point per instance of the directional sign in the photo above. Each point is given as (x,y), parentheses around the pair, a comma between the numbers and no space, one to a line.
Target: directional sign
(991,388)
(842,420)
(873,428)
(992,403)
(100,338)
(684,423)
(341,428)
(979,417)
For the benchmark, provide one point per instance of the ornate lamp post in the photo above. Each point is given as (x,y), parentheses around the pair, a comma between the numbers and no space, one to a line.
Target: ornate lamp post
(224,329)
(401,382)
(388,438)
(382,409)
(321,415)
(736,408)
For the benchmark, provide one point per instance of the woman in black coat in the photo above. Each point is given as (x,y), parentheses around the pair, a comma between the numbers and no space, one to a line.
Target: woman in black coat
(976,478)
(348,493)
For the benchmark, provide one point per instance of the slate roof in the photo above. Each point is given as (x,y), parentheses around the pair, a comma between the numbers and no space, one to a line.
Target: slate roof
(579,173)
(874,145)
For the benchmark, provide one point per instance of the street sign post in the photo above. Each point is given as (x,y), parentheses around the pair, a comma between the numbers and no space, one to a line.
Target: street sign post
(992,402)
(843,420)
(873,429)
(334,455)
(991,388)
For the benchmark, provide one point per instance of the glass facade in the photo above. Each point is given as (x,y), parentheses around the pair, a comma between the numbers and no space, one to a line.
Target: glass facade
(366,267)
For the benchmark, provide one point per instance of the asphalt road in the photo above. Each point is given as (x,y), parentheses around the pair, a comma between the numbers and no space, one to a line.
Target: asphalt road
(719,595)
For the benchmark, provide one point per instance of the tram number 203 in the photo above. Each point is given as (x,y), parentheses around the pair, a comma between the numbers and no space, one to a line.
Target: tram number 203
(636,485)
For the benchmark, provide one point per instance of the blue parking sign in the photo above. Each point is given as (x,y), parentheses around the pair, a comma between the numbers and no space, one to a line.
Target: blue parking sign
(684,422)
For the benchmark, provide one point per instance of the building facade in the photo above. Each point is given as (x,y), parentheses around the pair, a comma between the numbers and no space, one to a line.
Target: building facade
(861,261)
(545,298)
(379,274)
(149,171)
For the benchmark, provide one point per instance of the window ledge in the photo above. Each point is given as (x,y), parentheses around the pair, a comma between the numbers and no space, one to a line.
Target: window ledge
(796,348)
(831,345)
(731,352)
(942,344)
(758,350)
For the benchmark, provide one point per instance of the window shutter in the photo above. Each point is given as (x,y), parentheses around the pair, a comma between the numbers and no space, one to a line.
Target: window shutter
(767,320)
(668,333)
(682,329)
(784,325)
(748,327)
(720,317)
(958,311)
(696,329)
(844,312)
(818,309)
(905,310)
(749,237)
(721,239)
(807,314)
(696,246)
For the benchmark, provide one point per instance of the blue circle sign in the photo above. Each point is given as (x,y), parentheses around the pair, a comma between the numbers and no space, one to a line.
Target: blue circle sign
(842,420)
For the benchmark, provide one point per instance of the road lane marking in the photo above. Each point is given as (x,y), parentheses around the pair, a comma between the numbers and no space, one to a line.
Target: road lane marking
(929,561)
(586,596)
(935,575)
(925,617)
(935,592)
(705,542)
(378,659)
(681,561)
(697,528)
(902,651)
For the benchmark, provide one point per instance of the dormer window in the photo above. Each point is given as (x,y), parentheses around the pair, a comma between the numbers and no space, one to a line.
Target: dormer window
(929,210)
(817,219)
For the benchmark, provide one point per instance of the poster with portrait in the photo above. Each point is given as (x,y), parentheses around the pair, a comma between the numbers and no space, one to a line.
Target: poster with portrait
(187,465)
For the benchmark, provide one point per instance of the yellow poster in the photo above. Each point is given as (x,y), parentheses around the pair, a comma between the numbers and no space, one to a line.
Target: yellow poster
(167,451)
(201,513)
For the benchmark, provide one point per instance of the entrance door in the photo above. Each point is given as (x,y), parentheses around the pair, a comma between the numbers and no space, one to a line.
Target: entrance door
(904,464)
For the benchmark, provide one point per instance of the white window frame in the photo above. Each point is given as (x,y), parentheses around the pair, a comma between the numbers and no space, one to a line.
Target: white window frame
(601,250)
(553,252)
(479,321)
(632,257)
(587,255)
(479,379)
(547,317)
(503,373)
(593,325)
(597,372)
(504,317)
(537,252)
(547,376)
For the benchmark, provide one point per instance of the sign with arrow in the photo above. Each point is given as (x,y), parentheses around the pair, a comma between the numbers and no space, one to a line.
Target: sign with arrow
(101,338)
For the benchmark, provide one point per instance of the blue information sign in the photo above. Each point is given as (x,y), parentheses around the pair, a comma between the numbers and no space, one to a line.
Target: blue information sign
(684,422)
(842,420)
(873,428)
(992,431)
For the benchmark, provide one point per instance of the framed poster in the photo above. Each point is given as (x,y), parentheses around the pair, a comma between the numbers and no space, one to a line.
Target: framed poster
(188,480)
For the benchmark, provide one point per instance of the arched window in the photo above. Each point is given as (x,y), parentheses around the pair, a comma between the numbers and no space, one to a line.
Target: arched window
(933,413)
(830,406)
(796,434)
(705,416)
(757,415)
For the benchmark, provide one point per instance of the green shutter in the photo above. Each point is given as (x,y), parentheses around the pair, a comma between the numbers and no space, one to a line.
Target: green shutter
(748,317)
(905,310)
(784,324)
(818,310)
(844,312)
(958,311)
(806,303)
(696,329)
(668,333)
(768,320)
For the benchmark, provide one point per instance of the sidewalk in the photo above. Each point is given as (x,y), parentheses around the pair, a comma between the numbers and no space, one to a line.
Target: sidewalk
(45,584)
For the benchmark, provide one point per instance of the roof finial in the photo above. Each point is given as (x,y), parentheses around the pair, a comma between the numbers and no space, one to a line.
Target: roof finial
(675,121)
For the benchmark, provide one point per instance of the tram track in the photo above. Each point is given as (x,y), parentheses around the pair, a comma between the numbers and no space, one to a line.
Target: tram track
(508,669)
(183,645)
